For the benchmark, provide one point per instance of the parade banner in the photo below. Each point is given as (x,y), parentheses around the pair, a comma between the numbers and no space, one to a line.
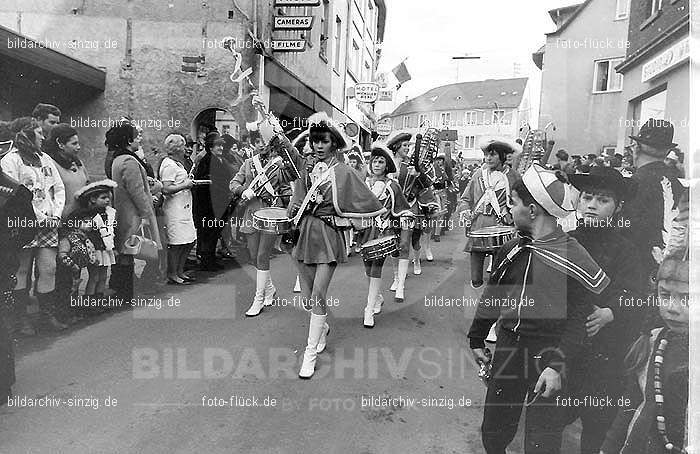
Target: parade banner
(293,22)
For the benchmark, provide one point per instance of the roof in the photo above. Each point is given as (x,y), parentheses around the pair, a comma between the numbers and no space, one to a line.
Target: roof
(37,54)
(572,11)
(538,56)
(481,94)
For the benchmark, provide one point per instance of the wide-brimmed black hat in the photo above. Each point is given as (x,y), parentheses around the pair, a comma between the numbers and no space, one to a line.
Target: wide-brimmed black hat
(383,151)
(656,133)
(399,137)
(605,178)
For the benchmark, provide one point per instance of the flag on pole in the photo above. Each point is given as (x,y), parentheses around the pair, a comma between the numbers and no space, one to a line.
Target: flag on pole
(401,73)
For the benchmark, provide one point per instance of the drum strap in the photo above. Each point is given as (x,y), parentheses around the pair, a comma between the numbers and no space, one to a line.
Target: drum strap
(489,197)
(261,172)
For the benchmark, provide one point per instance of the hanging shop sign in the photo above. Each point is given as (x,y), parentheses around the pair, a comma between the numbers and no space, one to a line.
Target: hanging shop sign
(293,22)
(384,128)
(386,95)
(366,92)
(288,45)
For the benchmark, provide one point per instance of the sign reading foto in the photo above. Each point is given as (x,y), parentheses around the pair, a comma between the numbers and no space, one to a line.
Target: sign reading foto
(384,128)
(297,2)
(668,59)
(288,45)
(366,92)
(293,22)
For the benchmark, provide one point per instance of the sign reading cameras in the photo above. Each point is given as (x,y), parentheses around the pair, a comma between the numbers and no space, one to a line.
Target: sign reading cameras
(288,45)
(366,92)
(297,2)
(293,22)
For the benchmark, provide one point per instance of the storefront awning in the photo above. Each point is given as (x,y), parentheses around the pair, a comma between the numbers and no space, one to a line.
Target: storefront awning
(35,53)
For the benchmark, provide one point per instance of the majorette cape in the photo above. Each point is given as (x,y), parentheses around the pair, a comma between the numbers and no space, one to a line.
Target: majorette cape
(564,254)
(395,201)
(351,197)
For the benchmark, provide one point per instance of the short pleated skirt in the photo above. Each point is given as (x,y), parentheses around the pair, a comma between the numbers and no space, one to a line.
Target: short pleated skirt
(319,243)
(46,237)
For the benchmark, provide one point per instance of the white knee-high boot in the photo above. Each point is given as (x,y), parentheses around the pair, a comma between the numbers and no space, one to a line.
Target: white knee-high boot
(259,299)
(317,324)
(270,290)
(375,284)
(403,270)
(395,267)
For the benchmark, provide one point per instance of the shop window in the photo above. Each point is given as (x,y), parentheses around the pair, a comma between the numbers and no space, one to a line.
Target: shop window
(652,107)
(605,78)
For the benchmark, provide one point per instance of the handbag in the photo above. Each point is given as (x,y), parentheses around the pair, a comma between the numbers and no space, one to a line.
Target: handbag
(142,247)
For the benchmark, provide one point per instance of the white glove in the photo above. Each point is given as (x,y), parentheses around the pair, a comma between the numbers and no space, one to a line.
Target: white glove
(248,194)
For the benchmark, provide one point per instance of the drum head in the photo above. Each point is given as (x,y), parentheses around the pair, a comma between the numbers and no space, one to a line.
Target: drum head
(273,214)
(493,230)
(377,241)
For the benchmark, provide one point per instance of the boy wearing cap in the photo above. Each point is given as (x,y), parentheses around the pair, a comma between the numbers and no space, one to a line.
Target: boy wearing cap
(542,287)
(614,323)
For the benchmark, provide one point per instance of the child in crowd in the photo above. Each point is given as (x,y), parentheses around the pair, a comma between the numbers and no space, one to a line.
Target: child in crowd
(95,200)
(75,252)
(655,420)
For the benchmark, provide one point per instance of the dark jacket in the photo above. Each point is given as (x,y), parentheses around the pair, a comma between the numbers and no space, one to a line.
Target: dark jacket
(211,200)
(618,257)
(645,212)
(554,304)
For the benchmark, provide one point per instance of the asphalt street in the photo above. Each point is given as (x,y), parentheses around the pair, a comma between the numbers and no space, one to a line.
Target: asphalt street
(187,372)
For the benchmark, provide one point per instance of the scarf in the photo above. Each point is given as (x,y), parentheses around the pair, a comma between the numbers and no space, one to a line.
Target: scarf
(27,150)
(65,159)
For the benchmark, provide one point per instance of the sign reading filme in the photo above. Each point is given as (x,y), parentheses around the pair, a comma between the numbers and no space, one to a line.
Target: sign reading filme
(293,22)
(297,2)
(288,45)
(366,92)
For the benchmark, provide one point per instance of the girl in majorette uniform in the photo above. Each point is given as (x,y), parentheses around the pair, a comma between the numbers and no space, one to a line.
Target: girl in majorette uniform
(323,203)
(416,187)
(96,201)
(259,185)
(486,201)
(388,191)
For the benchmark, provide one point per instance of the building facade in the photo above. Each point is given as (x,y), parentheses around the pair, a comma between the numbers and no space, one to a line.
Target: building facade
(478,111)
(581,92)
(165,63)
(657,69)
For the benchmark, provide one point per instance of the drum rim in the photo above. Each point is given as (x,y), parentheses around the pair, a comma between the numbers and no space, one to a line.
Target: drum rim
(278,210)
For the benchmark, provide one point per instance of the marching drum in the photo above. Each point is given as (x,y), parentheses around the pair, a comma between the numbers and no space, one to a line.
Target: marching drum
(272,220)
(489,239)
(379,248)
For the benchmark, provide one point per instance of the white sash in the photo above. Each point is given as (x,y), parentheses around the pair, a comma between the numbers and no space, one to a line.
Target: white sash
(319,178)
(261,173)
